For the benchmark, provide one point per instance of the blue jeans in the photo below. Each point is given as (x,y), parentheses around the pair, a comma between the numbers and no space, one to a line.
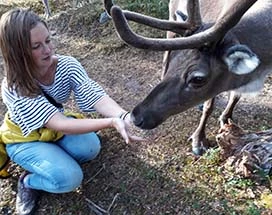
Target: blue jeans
(55,166)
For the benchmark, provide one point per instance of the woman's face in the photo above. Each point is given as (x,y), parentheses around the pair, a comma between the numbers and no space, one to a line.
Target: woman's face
(42,48)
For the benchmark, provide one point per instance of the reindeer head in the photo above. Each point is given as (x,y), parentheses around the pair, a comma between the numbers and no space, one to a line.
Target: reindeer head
(200,64)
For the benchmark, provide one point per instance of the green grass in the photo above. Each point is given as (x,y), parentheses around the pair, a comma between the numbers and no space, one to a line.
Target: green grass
(157,8)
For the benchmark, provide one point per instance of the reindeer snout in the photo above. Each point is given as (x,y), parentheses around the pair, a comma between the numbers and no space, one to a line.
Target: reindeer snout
(136,119)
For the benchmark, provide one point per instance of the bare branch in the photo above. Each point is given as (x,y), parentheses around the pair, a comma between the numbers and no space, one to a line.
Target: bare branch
(100,170)
(112,203)
(96,208)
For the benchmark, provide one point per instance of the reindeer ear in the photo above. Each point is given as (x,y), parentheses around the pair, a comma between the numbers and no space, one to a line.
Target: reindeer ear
(240,59)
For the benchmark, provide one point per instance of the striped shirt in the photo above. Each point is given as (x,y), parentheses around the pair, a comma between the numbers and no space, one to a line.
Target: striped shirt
(32,113)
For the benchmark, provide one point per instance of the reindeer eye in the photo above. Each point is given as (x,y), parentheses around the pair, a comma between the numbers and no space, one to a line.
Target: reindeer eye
(197,81)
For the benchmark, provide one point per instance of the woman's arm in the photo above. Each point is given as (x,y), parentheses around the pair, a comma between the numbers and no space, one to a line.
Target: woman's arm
(66,125)
(108,107)
(105,106)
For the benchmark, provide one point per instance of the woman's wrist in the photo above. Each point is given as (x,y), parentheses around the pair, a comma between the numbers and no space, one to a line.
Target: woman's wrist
(112,123)
(124,115)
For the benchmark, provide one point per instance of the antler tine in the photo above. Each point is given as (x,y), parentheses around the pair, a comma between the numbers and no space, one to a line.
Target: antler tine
(108,5)
(216,32)
(228,19)
(131,38)
(173,26)
(194,16)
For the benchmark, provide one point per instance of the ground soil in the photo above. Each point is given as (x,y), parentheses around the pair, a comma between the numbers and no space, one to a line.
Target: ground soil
(137,178)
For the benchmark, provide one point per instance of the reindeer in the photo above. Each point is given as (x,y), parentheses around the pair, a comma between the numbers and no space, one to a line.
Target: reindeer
(223,45)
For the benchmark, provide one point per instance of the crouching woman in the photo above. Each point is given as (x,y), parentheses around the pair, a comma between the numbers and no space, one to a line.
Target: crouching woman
(40,137)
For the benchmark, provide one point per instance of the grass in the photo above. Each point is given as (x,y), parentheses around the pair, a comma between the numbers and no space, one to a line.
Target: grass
(157,8)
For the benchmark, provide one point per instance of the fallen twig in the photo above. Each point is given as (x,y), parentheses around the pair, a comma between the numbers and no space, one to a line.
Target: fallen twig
(96,208)
(112,203)
(96,174)
(99,210)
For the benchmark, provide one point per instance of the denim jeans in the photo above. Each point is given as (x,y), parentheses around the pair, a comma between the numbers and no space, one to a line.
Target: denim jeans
(55,166)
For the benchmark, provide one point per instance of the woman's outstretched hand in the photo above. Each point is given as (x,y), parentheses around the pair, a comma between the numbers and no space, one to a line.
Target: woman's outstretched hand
(122,126)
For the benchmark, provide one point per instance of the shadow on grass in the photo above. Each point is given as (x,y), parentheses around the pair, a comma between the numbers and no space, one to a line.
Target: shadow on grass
(159,177)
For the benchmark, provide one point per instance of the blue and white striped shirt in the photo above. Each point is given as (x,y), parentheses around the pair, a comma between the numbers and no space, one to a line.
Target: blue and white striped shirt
(32,113)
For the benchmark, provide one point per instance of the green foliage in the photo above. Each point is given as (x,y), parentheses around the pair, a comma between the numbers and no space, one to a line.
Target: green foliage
(156,8)
(252,209)
(241,183)
(212,156)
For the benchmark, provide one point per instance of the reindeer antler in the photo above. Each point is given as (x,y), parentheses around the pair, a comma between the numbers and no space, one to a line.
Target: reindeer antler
(224,23)
(192,23)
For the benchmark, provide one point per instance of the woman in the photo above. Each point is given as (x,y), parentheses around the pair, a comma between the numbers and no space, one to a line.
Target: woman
(37,82)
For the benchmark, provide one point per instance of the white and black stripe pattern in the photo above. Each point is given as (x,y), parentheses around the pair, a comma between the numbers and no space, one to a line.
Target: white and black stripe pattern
(33,113)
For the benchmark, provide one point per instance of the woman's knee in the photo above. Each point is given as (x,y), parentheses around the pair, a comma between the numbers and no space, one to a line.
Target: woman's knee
(95,146)
(93,149)
(67,180)
(82,147)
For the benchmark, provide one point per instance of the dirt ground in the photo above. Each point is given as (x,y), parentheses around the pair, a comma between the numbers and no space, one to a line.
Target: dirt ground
(158,177)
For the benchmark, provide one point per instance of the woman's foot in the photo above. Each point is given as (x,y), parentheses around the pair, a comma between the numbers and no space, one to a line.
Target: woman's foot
(26,199)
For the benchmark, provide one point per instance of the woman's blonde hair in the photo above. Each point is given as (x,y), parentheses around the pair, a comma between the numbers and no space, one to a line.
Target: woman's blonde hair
(15,44)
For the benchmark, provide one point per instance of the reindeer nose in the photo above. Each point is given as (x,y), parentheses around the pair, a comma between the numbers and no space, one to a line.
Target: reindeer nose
(138,121)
